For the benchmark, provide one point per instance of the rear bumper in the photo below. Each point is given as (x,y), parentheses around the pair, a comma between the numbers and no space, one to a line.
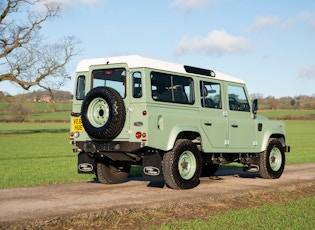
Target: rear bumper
(113,146)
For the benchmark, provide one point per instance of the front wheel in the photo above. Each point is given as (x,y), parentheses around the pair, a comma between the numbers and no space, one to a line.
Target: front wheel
(272,160)
(111,172)
(182,165)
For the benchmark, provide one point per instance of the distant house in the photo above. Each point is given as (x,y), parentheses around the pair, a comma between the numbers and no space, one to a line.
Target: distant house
(45,98)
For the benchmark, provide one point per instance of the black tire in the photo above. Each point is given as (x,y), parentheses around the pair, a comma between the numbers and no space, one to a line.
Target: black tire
(182,165)
(209,169)
(111,172)
(103,113)
(272,161)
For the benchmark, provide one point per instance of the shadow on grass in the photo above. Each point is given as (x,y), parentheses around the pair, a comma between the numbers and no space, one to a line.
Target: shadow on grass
(33,131)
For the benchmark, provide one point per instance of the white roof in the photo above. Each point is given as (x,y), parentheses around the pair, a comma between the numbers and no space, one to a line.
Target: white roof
(135,61)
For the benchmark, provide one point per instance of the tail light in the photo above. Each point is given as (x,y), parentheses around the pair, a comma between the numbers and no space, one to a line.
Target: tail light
(74,135)
(138,135)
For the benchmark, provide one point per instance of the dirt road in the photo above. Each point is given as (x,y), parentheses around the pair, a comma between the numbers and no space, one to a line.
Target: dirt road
(69,200)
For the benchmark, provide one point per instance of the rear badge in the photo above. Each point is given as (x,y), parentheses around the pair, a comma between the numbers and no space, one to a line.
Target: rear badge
(85,167)
(151,171)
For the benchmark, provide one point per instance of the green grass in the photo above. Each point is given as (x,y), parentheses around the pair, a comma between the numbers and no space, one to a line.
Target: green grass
(37,111)
(50,116)
(281,114)
(33,154)
(290,215)
(301,138)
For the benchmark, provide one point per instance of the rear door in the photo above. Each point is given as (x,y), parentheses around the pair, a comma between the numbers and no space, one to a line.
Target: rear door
(115,76)
(212,119)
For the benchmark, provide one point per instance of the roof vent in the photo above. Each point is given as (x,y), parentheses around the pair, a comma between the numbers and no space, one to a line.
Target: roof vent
(200,71)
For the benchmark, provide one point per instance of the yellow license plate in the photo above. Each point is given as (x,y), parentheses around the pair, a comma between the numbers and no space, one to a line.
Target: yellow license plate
(77,125)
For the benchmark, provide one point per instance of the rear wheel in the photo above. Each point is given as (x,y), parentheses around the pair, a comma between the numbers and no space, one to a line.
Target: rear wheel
(272,160)
(182,165)
(111,172)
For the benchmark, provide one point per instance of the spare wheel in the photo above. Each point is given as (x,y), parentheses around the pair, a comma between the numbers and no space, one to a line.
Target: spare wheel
(103,113)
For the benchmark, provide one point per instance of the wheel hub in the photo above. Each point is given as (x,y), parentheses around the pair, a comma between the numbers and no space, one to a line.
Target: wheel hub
(184,165)
(187,165)
(275,159)
(98,112)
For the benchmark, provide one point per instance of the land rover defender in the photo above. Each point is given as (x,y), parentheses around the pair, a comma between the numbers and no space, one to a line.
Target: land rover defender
(176,121)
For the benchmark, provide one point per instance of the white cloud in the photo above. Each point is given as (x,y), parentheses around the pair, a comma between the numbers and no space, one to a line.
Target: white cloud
(218,42)
(312,25)
(261,23)
(302,18)
(191,5)
(307,72)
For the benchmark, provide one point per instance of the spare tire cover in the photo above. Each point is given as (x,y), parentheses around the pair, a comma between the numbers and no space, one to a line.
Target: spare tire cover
(103,113)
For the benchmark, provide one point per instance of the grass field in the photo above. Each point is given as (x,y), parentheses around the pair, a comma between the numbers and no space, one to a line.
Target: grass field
(289,215)
(282,114)
(37,111)
(33,154)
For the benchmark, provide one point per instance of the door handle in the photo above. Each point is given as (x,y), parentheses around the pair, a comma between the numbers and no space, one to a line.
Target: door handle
(208,123)
(234,125)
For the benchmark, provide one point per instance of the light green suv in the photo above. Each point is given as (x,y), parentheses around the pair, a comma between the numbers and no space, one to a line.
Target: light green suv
(175,120)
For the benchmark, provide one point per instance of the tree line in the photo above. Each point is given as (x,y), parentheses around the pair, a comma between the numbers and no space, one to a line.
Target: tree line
(296,102)
(59,96)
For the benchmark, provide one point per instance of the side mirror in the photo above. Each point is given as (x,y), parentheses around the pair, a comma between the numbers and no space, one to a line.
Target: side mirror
(255,108)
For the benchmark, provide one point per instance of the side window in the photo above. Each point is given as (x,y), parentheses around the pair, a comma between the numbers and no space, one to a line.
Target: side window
(137,86)
(114,78)
(237,99)
(80,88)
(210,93)
(171,88)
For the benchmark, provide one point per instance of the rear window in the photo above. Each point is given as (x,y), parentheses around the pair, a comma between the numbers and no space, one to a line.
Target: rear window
(80,92)
(114,78)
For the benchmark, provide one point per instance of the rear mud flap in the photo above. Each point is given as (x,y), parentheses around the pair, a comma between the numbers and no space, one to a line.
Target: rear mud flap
(86,164)
(152,165)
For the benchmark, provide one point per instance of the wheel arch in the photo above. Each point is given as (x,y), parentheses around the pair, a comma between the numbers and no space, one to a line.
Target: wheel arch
(272,136)
(178,132)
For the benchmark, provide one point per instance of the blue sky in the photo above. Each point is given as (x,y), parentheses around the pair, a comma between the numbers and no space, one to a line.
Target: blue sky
(268,44)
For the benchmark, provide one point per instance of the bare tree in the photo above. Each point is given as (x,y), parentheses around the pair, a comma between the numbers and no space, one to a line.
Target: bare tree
(24,58)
